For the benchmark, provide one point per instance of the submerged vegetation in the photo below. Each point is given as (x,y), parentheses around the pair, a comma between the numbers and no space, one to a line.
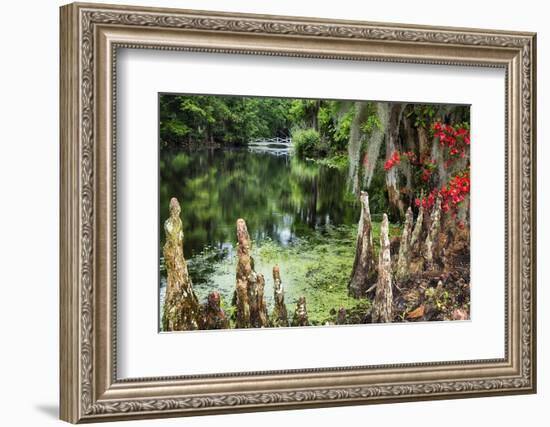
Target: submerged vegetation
(314,208)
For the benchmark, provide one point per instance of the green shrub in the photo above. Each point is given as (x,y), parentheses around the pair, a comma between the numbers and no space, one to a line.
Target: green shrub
(338,161)
(306,142)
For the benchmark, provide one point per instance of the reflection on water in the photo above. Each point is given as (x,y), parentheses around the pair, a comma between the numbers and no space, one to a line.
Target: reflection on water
(280,197)
(282,200)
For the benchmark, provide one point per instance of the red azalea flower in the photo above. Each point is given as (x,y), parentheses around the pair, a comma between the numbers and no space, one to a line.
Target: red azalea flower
(393,160)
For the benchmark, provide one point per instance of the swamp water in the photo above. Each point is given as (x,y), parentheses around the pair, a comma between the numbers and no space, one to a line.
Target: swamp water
(300,215)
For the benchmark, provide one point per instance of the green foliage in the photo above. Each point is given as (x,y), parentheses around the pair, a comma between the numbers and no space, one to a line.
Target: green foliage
(338,161)
(232,120)
(175,128)
(372,123)
(325,119)
(303,112)
(334,119)
(423,115)
(297,110)
(342,130)
(306,142)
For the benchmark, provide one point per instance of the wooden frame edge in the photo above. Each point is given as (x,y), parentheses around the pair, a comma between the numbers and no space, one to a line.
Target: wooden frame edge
(69,221)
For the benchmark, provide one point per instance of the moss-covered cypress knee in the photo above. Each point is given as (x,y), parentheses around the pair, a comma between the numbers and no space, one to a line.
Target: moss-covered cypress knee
(300,313)
(181,307)
(279,316)
(364,268)
(382,310)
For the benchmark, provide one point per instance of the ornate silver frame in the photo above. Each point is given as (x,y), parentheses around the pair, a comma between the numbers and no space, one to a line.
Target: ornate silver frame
(90,36)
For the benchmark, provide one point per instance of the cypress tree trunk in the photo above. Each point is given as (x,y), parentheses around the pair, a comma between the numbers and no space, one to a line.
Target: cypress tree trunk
(374,142)
(423,144)
(354,145)
(437,154)
(410,142)
(392,138)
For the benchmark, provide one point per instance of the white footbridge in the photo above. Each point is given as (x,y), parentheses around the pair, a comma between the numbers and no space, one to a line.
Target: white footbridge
(277,146)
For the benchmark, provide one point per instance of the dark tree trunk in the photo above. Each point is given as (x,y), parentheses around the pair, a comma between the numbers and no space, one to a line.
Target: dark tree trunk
(354,145)
(392,144)
(374,142)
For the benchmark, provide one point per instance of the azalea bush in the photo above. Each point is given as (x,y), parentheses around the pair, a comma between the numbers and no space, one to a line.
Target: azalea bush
(454,142)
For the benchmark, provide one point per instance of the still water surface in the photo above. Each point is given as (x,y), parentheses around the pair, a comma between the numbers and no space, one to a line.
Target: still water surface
(281,198)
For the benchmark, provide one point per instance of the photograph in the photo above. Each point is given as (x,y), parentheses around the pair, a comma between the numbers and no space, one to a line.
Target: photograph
(281,212)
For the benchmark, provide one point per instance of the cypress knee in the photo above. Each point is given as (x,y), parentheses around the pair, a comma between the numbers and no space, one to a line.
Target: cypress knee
(364,268)
(181,307)
(417,232)
(261,319)
(430,244)
(403,261)
(241,303)
(300,313)
(213,316)
(382,311)
(250,302)
(280,315)
(341,316)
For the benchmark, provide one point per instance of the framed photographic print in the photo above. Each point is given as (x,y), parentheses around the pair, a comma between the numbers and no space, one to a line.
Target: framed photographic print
(267,212)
